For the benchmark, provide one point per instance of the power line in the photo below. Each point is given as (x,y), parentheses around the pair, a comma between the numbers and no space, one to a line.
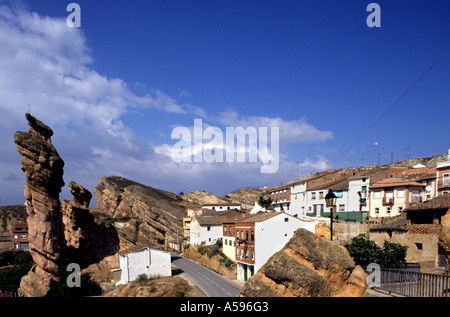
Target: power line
(394,104)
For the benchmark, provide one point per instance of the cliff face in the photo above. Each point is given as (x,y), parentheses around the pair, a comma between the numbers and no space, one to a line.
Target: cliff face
(307,266)
(148,216)
(57,235)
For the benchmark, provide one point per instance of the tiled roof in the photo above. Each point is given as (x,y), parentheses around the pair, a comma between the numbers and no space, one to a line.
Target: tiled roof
(439,202)
(395,182)
(260,217)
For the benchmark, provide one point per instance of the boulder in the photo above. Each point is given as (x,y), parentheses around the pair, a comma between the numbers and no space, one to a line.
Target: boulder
(308,266)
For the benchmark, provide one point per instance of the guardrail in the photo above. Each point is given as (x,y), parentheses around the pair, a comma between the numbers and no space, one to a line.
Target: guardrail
(414,284)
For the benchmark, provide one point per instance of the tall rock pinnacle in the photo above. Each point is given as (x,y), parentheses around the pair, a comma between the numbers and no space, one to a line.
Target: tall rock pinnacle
(58,235)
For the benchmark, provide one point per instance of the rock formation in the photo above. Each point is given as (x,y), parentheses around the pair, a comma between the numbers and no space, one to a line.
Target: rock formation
(148,216)
(307,266)
(54,236)
(87,242)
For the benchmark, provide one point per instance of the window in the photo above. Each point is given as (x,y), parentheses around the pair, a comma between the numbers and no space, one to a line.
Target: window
(377,210)
(253,254)
(246,235)
(253,236)
(339,194)
(400,209)
(286,219)
(208,228)
(401,193)
(389,194)
(320,195)
(341,207)
(415,196)
(225,229)
(388,210)
(313,195)
(446,179)
(24,236)
(377,195)
(419,246)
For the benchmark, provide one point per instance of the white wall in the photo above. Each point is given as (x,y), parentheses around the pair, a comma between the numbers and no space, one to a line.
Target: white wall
(147,261)
(199,234)
(298,200)
(355,185)
(272,234)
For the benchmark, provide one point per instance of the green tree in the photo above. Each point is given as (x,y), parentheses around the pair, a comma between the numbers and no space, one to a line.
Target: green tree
(364,251)
(394,255)
(263,202)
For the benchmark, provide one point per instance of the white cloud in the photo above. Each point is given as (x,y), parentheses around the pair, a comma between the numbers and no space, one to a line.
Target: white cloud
(291,131)
(47,65)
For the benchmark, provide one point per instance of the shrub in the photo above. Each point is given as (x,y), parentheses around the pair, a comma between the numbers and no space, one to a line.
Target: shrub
(10,280)
(364,252)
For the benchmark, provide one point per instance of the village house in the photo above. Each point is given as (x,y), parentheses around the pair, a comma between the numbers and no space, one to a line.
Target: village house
(190,214)
(221,207)
(418,229)
(253,240)
(281,198)
(315,196)
(390,196)
(207,228)
(443,176)
(20,236)
(142,260)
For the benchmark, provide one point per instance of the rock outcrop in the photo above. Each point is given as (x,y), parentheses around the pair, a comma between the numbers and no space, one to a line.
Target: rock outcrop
(87,242)
(307,266)
(147,216)
(57,236)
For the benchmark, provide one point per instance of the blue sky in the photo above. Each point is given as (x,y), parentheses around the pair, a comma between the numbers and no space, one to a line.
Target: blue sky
(114,89)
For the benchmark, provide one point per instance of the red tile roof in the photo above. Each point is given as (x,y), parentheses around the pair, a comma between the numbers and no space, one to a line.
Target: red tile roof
(396,182)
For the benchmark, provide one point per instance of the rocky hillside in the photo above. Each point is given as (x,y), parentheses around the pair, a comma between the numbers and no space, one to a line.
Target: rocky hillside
(143,215)
(307,266)
(245,196)
(10,215)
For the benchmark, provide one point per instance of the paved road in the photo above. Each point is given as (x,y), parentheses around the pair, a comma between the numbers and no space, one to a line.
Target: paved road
(208,281)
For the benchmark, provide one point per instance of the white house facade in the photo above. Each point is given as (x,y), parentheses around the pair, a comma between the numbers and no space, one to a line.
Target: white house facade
(298,199)
(260,236)
(205,231)
(148,261)
(358,197)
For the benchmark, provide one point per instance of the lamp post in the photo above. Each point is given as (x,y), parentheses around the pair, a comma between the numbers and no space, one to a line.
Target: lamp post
(330,200)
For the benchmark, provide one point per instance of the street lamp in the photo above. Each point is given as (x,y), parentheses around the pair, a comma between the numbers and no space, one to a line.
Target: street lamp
(330,200)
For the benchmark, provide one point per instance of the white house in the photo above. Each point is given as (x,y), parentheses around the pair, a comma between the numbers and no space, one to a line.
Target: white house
(143,260)
(358,197)
(258,237)
(207,228)
(315,197)
(221,207)
(298,199)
